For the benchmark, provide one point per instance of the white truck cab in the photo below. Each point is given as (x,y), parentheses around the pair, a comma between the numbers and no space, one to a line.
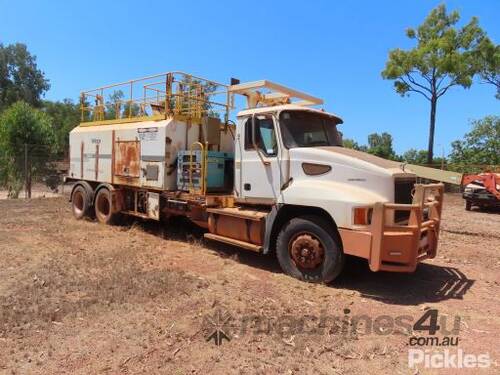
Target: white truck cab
(278,180)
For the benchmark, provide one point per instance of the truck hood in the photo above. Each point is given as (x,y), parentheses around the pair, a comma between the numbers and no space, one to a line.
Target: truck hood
(354,159)
(364,156)
(355,179)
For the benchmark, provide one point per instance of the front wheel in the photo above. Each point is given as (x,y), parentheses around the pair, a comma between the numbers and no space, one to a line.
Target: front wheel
(468,205)
(308,249)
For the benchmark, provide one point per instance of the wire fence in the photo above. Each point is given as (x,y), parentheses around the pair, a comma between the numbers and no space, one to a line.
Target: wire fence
(33,171)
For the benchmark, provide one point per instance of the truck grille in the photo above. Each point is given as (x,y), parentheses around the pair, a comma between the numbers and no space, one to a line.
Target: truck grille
(403,189)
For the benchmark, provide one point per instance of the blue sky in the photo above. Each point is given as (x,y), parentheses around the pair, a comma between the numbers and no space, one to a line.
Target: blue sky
(331,49)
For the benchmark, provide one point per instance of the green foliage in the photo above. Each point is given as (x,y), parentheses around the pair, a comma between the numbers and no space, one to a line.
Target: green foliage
(130,110)
(444,56)
(381,145)
(114,104)
(188,89)
(414,156)
(419,157)
(21,125)
(65,116)
(351,143)
(117,107)
(481,146)
(488,60)
(378,144)
(20,78)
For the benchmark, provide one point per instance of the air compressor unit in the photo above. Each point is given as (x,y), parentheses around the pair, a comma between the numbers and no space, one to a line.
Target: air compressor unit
(218,170)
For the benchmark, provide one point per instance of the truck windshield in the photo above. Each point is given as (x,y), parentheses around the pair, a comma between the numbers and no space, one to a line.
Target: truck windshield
(308,129)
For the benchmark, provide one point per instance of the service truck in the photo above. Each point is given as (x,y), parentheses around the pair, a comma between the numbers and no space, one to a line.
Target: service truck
(273,179)
(482,190)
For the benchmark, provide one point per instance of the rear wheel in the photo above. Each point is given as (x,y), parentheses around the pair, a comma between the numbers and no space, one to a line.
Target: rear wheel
(80,202)
(104,208)
(308,250)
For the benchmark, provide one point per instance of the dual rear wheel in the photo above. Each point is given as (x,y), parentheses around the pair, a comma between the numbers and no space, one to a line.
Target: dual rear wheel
(85,205)
(81,202)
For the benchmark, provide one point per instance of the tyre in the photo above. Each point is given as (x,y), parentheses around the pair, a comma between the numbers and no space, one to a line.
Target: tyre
(468,205)
(104,208)
(80,203)
(308,249)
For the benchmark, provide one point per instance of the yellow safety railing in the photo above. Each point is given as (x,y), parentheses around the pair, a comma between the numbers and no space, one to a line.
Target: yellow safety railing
(161,96)
(203,168)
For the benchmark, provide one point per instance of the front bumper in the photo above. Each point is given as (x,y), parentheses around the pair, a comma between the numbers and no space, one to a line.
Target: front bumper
(482,197)
(399,247)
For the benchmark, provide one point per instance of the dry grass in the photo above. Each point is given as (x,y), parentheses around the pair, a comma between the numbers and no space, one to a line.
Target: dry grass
(80,297)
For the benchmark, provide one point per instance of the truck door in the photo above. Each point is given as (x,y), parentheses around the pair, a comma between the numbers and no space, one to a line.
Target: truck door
(260,178)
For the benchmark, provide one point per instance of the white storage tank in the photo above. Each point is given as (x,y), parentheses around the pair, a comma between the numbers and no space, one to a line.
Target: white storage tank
(140,154)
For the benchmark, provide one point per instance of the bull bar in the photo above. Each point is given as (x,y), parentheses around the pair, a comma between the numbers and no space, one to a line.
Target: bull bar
(399,247)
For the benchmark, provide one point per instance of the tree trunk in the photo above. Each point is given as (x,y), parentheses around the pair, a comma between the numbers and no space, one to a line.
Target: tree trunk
(430,148)
(29,180)
(28,187)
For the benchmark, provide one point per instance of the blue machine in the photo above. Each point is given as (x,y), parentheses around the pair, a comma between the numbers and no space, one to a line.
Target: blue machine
(219,170)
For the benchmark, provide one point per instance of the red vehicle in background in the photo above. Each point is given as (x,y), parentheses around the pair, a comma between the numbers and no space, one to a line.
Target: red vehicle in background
(482,190)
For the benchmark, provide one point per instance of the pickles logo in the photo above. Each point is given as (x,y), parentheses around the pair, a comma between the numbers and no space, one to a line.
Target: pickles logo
(447,359)
(442,351)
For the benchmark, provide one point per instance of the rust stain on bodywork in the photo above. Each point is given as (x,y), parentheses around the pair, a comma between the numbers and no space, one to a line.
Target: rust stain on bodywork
(127,159)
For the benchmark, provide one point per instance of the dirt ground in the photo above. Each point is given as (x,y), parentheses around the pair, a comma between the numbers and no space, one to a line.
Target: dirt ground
(83,298)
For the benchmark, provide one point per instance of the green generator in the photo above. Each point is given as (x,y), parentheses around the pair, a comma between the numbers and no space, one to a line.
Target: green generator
(219,170)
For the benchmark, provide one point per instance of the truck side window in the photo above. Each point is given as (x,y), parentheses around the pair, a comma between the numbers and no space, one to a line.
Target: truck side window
(265,134)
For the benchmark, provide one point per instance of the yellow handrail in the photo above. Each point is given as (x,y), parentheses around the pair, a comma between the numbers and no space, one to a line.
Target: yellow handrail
(173,94)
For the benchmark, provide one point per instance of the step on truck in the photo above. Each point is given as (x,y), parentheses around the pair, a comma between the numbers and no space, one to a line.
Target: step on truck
(273,179)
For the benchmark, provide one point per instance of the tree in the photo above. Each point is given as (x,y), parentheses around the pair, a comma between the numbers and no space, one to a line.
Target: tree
(419,157)
(130,109)
(117,107)
(381,145)
(481,146)
(488,59)
(351,143)
(114,105)
(378,144)
(23,129)
(414,156)
(20,78)
(444,57)
(65,116)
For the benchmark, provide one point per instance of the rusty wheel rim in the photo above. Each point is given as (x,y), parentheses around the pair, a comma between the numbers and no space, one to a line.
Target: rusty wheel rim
(103,206)
(306,250)
(78,202)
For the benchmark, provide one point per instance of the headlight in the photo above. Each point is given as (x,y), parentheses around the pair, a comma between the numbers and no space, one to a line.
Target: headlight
(468,190)
(362,215)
